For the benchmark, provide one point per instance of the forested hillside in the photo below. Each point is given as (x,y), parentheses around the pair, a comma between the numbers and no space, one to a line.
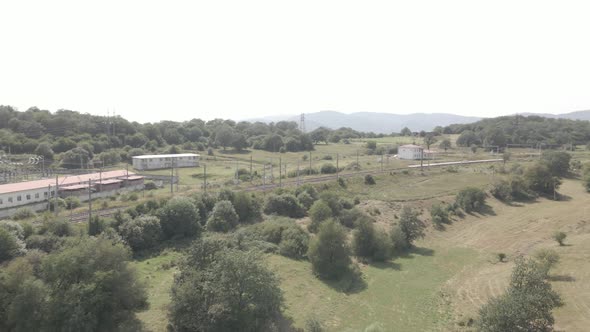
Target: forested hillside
(76,139)
(533,130)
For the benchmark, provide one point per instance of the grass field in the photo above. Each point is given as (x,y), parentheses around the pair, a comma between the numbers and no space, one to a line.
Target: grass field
(452,274)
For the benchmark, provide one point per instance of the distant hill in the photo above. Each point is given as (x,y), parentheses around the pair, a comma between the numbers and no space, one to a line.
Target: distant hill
(577,115)
(375,122)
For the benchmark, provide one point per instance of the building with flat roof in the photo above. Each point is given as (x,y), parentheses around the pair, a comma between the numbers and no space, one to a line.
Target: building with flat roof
(159,161)
(14,195)
(413,152)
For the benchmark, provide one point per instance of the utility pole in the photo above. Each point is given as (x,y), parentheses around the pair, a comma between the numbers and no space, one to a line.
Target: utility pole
(297,172)
(55,204)
(280,171)
(177,180)
(251,169)
(337,169)
(205,177)
(89,200)
(421,160)
(48,197)
(172,180)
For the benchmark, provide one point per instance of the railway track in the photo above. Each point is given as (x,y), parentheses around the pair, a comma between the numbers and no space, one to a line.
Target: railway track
(80,217)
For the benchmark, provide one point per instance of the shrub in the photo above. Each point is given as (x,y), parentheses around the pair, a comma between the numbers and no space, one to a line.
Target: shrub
(342,182)
(559,237)
(328,251)
(46,243)
(13,227)
(179,217)
(363,238)
(369,180)
(72,202)
(333,200)
(223,217)
(150,185)
(23,213)
(226,195)
(558,162)
(371,145)
(350,217)
(294,242)
(502,191)
(327,157)
(319,212)
(309,189)
(398,239)
(471,199)
(328,169)
(247,207)
(284,205)
(142,233)
(96,226)
(58,227)
(501,256)
(9,247)
(305,199)
(410,225)
(133,196)
(439,214)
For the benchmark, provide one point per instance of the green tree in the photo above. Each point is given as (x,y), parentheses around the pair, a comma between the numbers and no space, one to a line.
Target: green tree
(410,225)
(539,178)
(284,205)
(320,134)
(9,247)
(328,251)
(179,217)
(229,290)
(75,158)
(406,132)
(294,242)
(319,212)
(363,238)
(142,232)
(526,305)
(44,149)
(445,144)
(239,142)
(471,199)
(247,206)
(558,162)
(224,136)
(439,214)
(429,139)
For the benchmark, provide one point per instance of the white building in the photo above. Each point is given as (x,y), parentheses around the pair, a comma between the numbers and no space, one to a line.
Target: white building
(37,193)
(413,152)
(159,161)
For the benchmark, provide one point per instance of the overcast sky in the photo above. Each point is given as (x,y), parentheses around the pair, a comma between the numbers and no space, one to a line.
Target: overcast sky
(176,60)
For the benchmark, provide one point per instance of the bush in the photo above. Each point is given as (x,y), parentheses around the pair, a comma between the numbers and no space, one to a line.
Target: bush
(559,237)
(327,157)
(294,242)
(179,217)
(501,190)
(223,217)
(23,213)
(558,162)
(72,202)
(284,205)
(369,180)
(142,233)
(58,227)
(439,214)
(9,247)
(46,243)
(13,227)
(350,217)
(247,207)
(133,196)
(328,169)
(342,182)
(309,189)
(319,212)
(398,239)
(305,199)
(471,199)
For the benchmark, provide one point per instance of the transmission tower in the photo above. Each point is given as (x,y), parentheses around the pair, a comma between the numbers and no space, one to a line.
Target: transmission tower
(302,122)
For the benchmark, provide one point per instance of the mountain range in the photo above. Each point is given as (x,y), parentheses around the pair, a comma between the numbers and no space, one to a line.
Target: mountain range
(387,122)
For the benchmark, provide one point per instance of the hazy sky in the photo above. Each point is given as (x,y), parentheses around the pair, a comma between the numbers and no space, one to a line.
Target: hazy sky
(176,60)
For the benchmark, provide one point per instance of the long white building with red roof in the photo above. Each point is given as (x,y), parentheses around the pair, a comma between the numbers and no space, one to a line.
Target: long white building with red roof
(38,191)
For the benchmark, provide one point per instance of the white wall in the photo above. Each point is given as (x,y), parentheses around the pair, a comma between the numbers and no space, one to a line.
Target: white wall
(159,163)
(26,197)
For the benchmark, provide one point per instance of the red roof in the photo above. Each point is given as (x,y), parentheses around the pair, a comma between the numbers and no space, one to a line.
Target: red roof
(63,181)
(109,181)
(74,187)
(135,178)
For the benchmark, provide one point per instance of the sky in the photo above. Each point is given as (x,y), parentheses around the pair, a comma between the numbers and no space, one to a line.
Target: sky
(177,60)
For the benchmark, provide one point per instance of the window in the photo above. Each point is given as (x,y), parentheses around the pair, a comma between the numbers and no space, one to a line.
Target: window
(37,195)
(45,194)
(9,199)
(28,197)
(1,201)
(19,198)
(52,193)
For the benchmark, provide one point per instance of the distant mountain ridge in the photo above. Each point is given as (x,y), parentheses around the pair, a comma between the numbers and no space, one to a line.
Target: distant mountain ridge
(374,122)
